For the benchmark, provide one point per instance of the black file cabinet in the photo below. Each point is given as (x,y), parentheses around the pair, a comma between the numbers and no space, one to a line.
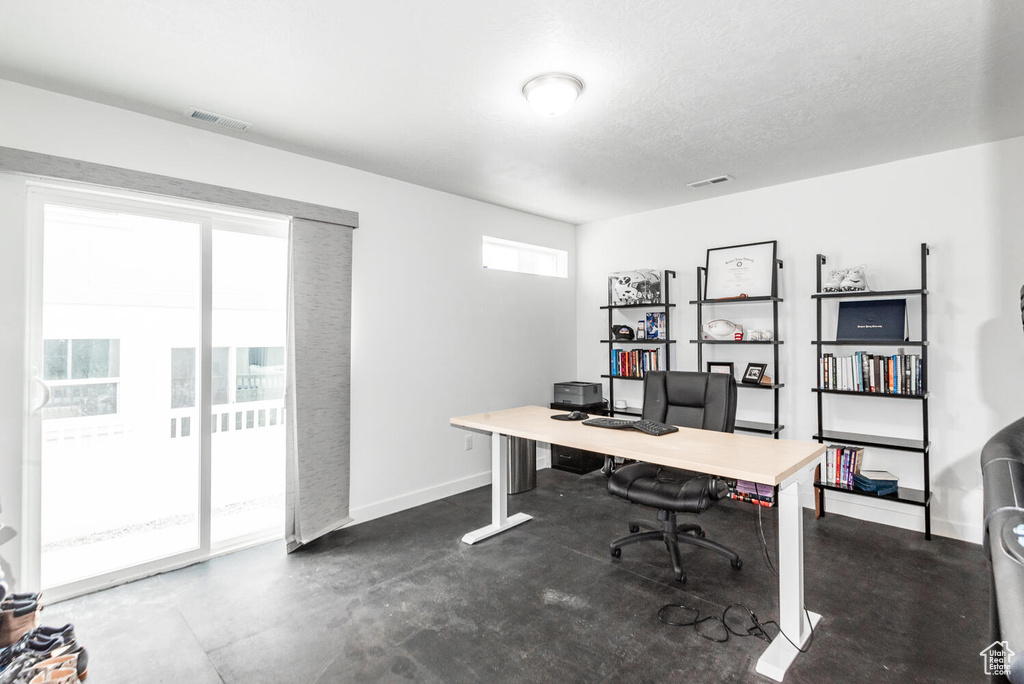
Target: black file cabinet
(577,460)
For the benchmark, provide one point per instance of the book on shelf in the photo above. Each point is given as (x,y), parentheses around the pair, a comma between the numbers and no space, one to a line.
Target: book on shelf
(882,475)
(752,492)
(747,498)
(872,373)
(879,487)
(634,363)
(842,463)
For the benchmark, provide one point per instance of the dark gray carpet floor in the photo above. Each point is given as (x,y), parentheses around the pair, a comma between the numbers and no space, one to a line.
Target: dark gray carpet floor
(402,599)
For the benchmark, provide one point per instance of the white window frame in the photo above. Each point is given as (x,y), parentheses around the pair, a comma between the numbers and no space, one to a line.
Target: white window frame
(520,253)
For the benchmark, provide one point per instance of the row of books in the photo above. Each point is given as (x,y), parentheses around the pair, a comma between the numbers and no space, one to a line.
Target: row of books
(843,469)
(842,463)
(750,492)
(873,373)
(634,363)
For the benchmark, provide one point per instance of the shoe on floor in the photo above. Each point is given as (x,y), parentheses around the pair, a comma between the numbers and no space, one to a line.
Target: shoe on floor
(62,676)
(49,670)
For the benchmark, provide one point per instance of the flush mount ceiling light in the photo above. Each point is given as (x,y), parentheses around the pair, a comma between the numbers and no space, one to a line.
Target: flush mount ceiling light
(552,94)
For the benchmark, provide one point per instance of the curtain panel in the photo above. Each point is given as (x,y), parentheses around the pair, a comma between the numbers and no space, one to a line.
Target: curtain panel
(318,380)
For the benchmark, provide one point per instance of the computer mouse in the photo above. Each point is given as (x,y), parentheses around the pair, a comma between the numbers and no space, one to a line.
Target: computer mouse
(577,415)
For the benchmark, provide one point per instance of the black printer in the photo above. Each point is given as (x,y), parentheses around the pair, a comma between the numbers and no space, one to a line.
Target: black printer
(577,393)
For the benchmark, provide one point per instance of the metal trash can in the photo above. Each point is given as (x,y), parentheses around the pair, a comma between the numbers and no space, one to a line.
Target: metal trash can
(522,464)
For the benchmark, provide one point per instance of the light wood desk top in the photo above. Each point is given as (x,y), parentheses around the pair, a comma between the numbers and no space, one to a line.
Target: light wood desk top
(730,455)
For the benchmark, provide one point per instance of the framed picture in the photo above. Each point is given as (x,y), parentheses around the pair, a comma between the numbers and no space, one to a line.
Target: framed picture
(720,367)
(752,376)
(741,271)
(634,287)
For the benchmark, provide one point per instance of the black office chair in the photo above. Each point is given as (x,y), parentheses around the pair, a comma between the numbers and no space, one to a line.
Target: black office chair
(695,400)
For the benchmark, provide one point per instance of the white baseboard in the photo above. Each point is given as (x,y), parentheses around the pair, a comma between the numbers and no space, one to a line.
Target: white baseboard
(419,497)
(885,513)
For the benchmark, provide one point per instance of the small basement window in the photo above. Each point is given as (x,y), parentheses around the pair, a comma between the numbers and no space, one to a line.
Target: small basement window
(506,255)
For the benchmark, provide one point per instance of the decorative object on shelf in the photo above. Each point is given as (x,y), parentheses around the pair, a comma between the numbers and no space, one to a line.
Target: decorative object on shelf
(760,335)
(620,403)
(641,330)
(752,375)
(634,287)
(876,319)
(656,325)
(721,329)
(847,280)
(856,280)
(741,271)
(622,332)
(720,367)
(766,379)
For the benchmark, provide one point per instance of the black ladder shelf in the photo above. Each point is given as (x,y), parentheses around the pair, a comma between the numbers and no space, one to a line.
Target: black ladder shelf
(775,427)
(665,306)
(922,446)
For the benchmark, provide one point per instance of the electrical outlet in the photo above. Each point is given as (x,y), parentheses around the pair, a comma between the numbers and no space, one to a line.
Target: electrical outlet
(469,442)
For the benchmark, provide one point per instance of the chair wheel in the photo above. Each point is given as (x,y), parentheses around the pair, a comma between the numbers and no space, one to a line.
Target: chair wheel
(701,534)
(634,528)
(681,578)
(616,553)
(737,564)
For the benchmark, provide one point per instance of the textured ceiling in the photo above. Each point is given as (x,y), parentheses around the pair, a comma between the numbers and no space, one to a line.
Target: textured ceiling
(429,92)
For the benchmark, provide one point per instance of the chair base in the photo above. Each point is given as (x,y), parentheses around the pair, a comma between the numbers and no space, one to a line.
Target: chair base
(672,534)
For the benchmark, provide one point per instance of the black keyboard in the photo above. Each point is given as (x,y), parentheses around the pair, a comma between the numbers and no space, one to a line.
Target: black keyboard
(649,427)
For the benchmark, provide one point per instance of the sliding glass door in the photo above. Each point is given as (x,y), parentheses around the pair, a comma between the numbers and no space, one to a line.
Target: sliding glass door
(250,272)
(158,346)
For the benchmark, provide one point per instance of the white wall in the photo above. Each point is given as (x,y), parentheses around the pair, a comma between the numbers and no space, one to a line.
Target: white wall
(965,203)
(434,334)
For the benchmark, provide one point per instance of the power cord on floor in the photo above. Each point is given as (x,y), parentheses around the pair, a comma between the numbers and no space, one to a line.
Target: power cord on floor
(756,627)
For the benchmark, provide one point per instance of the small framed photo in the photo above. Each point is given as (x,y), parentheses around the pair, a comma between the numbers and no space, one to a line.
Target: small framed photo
(752,376)
(720,367)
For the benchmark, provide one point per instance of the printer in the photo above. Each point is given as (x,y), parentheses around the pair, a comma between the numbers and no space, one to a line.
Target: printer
(577,393)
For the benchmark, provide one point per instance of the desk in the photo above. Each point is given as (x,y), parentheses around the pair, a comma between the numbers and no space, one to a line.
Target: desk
(786,463)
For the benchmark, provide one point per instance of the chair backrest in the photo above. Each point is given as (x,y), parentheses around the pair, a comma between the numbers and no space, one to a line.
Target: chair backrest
(690,399)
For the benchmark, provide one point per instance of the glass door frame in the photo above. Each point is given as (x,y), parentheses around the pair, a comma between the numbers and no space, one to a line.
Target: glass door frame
(39,194)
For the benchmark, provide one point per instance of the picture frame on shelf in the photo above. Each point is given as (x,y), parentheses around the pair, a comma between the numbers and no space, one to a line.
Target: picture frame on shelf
(872,319)
(752,375)
(741,271)
(656,326)
(642,286)
(721,367)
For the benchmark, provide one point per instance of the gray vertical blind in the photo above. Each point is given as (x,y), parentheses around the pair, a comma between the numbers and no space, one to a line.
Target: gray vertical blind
(318,372)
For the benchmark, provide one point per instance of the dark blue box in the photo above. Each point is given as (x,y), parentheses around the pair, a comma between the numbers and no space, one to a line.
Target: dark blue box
(875,319)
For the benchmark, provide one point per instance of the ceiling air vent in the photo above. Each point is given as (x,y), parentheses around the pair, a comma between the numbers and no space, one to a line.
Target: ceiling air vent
(709,181)
(217,119)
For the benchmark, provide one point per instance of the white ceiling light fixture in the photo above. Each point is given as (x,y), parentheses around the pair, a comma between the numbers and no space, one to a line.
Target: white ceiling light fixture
(552,94)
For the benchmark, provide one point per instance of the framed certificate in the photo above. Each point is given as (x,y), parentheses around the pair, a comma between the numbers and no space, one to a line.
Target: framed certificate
(741,271)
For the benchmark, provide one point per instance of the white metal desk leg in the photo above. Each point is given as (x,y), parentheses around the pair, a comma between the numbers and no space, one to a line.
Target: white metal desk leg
(780,654)
(500,520)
